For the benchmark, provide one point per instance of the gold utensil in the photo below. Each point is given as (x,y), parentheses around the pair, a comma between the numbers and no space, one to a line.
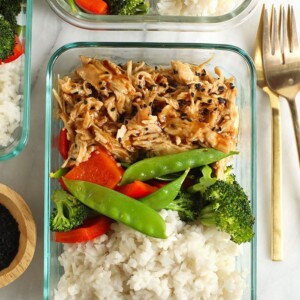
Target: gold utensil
(281,54)
(276,242)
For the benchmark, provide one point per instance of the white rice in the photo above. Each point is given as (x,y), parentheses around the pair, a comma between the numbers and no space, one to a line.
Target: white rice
(194,262)
(197,7)
(10,98)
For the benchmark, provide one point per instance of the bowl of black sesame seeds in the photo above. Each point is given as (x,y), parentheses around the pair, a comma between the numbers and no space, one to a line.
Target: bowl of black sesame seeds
(17,235)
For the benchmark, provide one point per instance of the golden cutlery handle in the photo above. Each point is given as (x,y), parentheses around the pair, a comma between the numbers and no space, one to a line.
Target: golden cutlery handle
(276,240)
(296,125)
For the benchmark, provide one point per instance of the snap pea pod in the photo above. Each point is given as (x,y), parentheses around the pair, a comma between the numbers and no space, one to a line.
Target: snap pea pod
(59,173)
(161,165)
(118,207)
(162,197)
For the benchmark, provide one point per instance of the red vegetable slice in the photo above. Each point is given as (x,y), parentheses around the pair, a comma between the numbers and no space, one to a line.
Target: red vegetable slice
(101,168)
(97,7)
(17,51)
(63,143)
(136,189)
(90,229)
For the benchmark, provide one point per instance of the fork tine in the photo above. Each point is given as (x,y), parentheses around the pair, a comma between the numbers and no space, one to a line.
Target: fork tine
(284,33)
(266,42)
(274,32)
(293,30)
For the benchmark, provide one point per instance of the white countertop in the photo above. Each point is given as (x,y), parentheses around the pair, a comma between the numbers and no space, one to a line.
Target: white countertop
(25,173)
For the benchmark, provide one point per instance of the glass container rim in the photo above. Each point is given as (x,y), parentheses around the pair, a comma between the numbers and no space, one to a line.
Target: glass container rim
(156,22)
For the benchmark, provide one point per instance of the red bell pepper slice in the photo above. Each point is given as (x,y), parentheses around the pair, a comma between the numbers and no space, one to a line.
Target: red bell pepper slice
(63,143)
(17,51)
(137,189)
(90,229)
(97,7)
(101,168)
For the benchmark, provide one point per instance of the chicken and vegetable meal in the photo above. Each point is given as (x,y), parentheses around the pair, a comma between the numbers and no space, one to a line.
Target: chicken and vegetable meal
(147,162)
(11,51)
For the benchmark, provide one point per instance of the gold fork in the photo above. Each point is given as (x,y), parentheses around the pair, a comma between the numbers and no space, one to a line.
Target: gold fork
(281,55)
(276,243)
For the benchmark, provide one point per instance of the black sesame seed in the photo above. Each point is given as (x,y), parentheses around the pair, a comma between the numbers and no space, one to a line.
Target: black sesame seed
(209,100)
(192,94)
(85,102)
(222,100)
(102,88)
(113,109)
(221,88)
(198,87)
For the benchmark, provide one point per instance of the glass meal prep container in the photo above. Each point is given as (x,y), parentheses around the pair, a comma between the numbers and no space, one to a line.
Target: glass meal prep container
(232,61)
(20,134)
(152,20)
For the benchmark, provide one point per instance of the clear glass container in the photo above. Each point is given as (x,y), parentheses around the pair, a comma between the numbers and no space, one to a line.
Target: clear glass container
(233,62)
(153,21)
(20,134)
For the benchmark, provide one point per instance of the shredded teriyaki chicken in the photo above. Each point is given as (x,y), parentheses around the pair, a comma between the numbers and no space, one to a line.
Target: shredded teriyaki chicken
(136,110)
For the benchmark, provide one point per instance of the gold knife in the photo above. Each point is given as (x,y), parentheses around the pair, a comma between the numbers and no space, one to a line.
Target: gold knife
(276,238)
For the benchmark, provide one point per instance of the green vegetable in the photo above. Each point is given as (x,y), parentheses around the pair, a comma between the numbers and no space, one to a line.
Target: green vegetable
(69,212)
(163,196)
(7,39)
(13,6)
(59,173)
(204,182)
(127,7)
(73,6)
(187,205)
(229,210)
(10,17)
(161,165)
(118,207)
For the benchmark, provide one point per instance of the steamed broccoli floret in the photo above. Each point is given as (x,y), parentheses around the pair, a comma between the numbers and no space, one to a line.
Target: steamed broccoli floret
(204,182)
(187,206)
(127,7)
(7,39)
(69,212)
(13,6)
(10,17)
(229,177)
(229,210)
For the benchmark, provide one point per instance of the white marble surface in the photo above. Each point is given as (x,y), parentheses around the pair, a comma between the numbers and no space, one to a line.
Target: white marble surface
(275,280)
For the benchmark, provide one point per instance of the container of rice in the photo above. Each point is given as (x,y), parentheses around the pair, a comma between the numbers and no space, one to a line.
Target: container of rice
(179,15)
(194,261)
(15,86)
